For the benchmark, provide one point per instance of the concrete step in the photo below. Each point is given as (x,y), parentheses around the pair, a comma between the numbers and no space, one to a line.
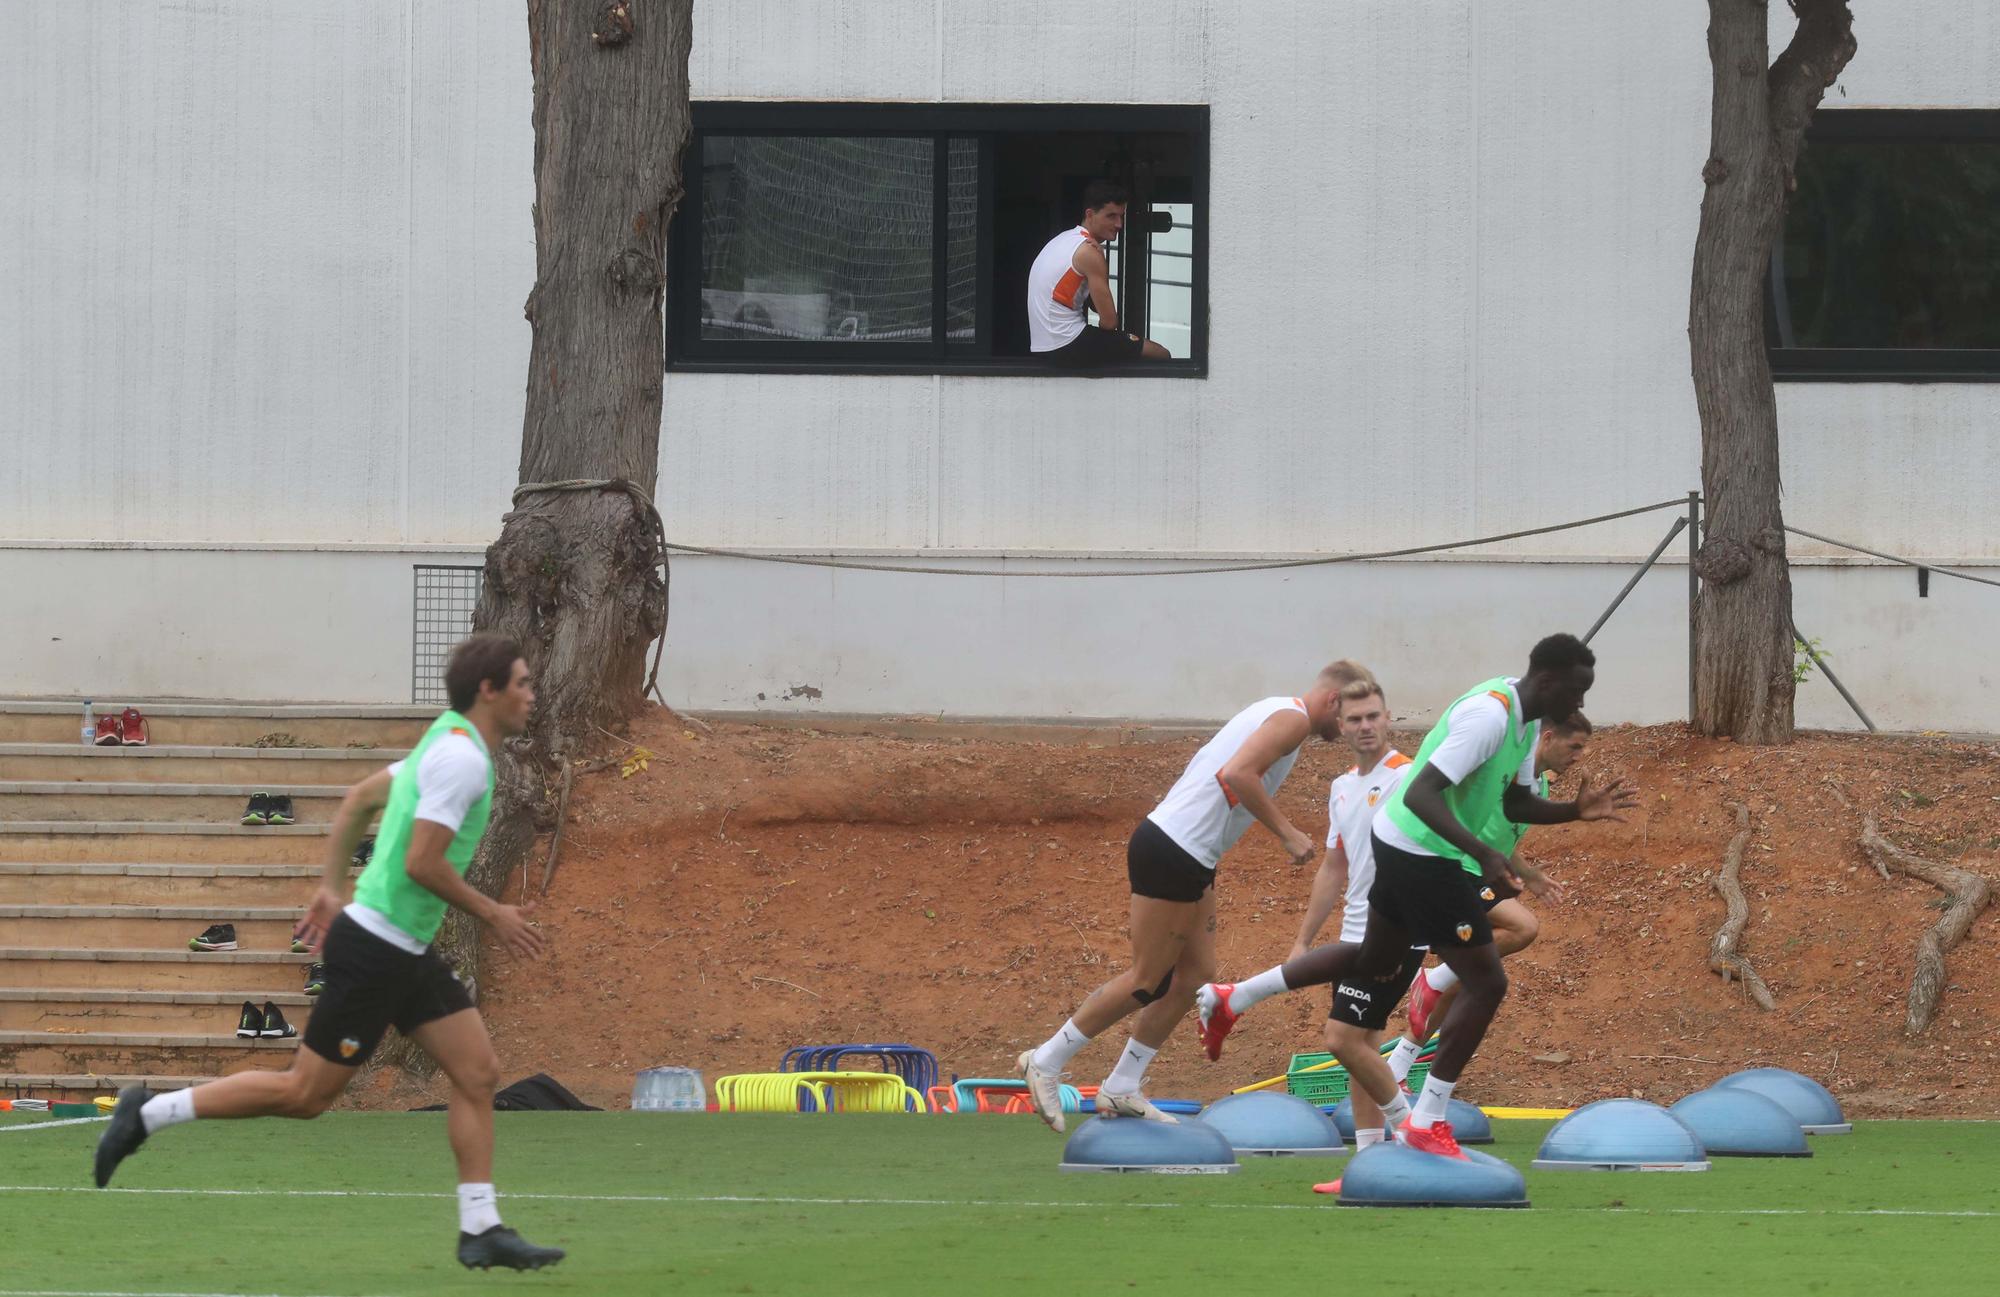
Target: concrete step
(239,767)
(323,725)
(142,927)
(83,1086)
(94,1051)
(112,883)
(73,1009)
(157,803)
(249,973)
(106,840)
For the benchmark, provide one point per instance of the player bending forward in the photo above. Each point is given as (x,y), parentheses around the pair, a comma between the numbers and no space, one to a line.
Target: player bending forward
(380,968)
(1170,865)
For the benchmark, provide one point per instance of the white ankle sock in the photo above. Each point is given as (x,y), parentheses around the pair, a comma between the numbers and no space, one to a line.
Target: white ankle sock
(1131,1070)
(1441,978)
(1263,986)
(1432,1104)
(170,1109)
(1396,1110)
(478,1208)
(1057,1050)
(1364,1136)
(1401,1058)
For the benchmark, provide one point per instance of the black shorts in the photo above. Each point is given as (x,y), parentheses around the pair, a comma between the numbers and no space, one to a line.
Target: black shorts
(1159,868)
(1433,900)
(1491,894)
(372,986)
(1094,347)
(1361,1003)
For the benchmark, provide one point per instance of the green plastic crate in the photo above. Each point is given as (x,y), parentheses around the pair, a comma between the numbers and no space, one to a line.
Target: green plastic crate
(1328,1086)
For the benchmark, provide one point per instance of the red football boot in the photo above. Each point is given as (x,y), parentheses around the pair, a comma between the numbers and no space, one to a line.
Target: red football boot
(1216,1018)
(1436,1138)
(1422,1001)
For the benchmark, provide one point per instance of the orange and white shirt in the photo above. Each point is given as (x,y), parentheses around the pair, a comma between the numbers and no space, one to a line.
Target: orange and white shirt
(1350,809)
(1057,292)
(1202,816)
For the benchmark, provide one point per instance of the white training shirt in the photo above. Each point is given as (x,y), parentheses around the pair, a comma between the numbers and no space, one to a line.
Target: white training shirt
(1057,292)
(451,777)
(1198,813)
(1350,809)
(1478,728)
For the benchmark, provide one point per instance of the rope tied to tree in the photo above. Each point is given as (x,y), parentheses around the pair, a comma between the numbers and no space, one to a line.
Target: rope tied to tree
(644,502)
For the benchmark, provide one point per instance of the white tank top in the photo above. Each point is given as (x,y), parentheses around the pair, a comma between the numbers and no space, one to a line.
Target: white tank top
(1197,812)
(1057,292)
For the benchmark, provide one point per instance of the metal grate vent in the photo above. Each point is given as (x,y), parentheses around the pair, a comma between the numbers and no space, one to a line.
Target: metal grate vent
(444,601)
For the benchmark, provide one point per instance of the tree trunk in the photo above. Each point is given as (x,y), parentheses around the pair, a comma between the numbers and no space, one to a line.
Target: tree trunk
(576,573)
(1758,115)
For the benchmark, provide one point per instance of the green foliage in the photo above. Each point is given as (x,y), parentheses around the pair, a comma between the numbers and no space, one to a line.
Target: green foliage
(1802,662)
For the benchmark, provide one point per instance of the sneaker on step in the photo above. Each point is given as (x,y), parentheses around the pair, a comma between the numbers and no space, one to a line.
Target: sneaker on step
(1434,1138)
(1131,1104)
(364,851)
(259,809)
(108,734)
(1044,1091)
(1217,1019)
(315,978)
(273,1024)
(216,936)
(132,729)
(503,1247)
(279,810)
(250,1022)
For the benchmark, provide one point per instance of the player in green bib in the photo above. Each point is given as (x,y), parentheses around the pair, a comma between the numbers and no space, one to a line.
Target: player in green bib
(380,968)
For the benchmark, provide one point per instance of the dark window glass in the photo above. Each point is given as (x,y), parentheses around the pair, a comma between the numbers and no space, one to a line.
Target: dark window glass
(962,253)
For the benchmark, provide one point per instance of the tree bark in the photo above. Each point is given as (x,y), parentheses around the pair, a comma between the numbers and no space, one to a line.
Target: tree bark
(1758,116)
(577,574)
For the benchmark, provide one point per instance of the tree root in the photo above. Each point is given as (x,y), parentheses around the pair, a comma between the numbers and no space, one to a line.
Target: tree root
(1969,892)
(1722,953)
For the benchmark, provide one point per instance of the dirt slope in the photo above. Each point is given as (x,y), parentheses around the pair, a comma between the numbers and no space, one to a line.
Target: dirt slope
(755,888)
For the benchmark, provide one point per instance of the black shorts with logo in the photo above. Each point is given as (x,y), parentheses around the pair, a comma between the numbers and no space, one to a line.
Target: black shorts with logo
(1359,1002)
(1433,900)
(372,986)
(1159,868)
(1491,894)
(1094,347)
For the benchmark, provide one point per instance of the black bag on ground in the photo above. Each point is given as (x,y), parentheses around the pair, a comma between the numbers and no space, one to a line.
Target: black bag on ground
(538,1093)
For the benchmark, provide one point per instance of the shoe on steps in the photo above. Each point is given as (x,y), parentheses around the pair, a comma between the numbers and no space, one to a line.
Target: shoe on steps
(249,1022)
(364,851)
(123,1136)
(216,936)
(271,1023)
(1044,1091)
(132,729)
(108,734)
(315,978)
(1132,1104)
(259,809)
(503,1247)
(279,810)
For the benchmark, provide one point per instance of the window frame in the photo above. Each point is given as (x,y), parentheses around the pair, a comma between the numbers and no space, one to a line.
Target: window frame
(688,352)
(1882,364)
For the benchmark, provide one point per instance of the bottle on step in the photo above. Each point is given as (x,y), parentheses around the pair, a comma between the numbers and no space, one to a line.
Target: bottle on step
(89,723)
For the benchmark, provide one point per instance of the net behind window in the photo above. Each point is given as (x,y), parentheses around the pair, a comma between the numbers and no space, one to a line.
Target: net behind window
(444,602)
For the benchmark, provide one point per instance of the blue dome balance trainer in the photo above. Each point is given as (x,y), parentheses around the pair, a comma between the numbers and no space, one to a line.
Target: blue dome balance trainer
(1811,1104)
(1390,1175)
(1134,1144)
(1270,1123)
(1734,1121)
(1469,1125)
(1621,1135)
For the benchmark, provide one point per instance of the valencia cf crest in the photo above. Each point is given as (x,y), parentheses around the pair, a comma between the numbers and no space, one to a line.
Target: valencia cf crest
(349,1047)
(1465,932)
(1485,893)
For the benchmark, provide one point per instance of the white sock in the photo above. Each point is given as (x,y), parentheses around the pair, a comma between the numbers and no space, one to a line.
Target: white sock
(1131,1070)
(1366,1135)
(170,1109)
(1432,1103)
(1441,978)
(1263,986)
(1396,1110)
(478,1208)
(1057,1050)
(1402,1058)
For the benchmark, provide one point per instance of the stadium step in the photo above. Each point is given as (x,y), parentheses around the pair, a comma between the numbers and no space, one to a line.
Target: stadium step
(82,1086)
(81,1009)
(104,840)
(143,926)
(128,802)
(216,1054)
(250,767)
(114,883)
(326,725)
(254,973)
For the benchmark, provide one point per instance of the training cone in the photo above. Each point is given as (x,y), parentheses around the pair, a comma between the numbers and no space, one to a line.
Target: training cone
(1269,1123)
(1811,1104)
(1621,1135)
(1733,1121)
(1390,1175)
(1134,1144)
(1469,1124)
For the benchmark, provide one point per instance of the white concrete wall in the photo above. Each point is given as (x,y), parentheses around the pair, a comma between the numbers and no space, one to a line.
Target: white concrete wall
(266,266)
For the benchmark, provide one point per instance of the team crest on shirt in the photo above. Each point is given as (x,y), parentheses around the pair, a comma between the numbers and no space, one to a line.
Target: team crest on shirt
(349,1047)
(1485,893)
(1465,932)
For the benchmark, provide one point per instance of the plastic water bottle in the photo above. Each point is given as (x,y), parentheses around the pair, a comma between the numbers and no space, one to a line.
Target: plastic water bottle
(89,724)
(669,1089)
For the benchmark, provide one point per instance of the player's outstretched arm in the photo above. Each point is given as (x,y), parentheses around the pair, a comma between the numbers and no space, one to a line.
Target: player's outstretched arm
(1521,805)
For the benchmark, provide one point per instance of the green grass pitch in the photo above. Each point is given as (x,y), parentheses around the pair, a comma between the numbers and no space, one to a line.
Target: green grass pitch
(944,1206)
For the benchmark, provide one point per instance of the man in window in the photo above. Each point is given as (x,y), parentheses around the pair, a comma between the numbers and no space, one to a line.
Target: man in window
(1070,274)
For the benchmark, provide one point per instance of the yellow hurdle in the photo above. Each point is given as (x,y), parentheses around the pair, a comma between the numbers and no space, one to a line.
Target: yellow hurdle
(830,1092)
